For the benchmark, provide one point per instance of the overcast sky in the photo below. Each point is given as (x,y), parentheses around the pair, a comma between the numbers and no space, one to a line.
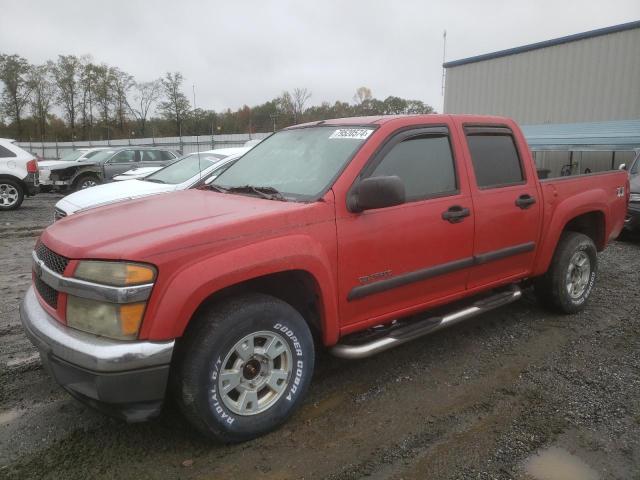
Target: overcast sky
(249,51)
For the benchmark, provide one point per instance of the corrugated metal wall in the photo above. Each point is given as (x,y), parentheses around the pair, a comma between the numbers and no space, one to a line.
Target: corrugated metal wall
(586,80)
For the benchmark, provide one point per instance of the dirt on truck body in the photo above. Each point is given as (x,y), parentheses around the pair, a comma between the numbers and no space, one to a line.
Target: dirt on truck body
(479,400)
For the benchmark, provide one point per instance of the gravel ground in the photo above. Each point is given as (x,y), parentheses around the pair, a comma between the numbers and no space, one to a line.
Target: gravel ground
(475,401)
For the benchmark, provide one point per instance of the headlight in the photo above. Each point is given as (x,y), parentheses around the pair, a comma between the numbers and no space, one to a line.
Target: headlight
(120,321)
(117,274)
(634,197)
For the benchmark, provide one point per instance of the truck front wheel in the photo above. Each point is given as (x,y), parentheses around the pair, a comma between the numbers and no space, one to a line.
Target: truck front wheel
(85,181)
(567,285)
(244,367)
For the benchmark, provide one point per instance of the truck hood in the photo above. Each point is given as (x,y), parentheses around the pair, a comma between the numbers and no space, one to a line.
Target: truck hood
(138,172)
(55,164)
(110,193)
(144,228)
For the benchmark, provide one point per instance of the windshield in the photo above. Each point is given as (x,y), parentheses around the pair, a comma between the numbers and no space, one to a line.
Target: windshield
(91,154)
(299,163)
(184,168)
(72,156)
(102,155)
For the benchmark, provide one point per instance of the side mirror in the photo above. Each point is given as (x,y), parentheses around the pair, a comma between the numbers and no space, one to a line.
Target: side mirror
(377,192)
(622,166)
(210,180)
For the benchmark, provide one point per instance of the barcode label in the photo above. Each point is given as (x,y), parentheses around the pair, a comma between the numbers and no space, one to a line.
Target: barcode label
(352,133)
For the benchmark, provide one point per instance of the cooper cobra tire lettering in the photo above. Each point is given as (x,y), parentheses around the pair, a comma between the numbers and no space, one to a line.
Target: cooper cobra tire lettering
(215,403)
(299,363)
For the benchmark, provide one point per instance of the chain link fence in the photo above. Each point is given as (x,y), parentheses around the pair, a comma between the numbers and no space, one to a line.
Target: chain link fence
(185,144)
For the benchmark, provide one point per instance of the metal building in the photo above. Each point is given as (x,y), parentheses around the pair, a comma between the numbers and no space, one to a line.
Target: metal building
(586,77)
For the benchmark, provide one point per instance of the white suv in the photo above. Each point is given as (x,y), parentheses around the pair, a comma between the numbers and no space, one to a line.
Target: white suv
(18,175)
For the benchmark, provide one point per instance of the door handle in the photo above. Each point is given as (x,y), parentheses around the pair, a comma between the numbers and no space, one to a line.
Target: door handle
(455,214)
(525,201)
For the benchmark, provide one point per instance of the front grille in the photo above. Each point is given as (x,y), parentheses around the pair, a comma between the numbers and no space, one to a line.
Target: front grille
(47,293)
(52,260)
(58,214)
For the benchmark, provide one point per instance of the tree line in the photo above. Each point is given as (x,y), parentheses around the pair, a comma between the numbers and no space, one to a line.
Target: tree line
(75,98)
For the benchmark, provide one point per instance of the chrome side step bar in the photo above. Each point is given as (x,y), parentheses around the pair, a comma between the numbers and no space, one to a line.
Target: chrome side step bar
(409,332)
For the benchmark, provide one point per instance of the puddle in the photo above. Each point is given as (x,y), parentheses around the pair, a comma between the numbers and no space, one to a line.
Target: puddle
(8,416)
(557,464)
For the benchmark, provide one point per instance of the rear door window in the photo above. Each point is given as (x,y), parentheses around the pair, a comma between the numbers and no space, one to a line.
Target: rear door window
(6,153)
(495,159)
(151,156)
(124,156)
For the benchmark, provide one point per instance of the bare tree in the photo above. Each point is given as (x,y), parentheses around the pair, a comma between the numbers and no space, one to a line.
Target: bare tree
(145,96)
(103,90)
(122,84)
(88,79)
(176,104)
(43,91)
(362,94)
(13,73)
(299,99)
(66,72)
(284,104)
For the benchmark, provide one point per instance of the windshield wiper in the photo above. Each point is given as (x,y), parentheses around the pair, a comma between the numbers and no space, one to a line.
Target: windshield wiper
(269,193)
(154,180)
(215,187)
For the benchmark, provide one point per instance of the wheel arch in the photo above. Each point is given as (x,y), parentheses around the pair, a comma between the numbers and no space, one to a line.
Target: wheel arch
(7,176)
(298,288)
(588,221)
(592,224)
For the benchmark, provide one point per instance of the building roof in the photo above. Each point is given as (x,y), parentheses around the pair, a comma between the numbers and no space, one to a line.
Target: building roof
(547,43)
(608,136)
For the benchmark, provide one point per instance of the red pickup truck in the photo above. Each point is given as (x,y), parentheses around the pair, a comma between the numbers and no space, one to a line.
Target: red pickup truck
(354,234)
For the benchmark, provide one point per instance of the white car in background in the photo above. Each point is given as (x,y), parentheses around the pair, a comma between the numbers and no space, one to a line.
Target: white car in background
(18,175)
(187,172)
(142,172)
(69,158)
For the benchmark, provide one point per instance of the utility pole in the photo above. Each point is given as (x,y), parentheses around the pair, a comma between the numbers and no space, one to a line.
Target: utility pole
(444,55)
(274,117)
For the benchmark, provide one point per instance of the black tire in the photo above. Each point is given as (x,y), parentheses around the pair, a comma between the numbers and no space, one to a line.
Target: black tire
(552,288)
(85,181)
(201,356)
(9,188)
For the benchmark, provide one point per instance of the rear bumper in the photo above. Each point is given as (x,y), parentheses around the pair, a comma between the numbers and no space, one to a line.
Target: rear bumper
(32,183)
(632,220)
(124,379)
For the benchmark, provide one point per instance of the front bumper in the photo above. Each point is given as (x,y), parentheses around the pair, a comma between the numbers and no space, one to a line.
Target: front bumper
(632,220)
(125,379)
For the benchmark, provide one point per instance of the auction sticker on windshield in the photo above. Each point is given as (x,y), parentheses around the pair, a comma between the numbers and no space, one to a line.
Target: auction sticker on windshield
(352,133)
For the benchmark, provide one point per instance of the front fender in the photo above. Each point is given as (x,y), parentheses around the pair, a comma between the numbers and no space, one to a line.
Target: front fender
(176,298)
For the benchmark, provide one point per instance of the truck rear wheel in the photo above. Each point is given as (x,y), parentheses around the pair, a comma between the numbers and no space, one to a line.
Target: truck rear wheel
(244,367)
(11,194)
(567,285)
